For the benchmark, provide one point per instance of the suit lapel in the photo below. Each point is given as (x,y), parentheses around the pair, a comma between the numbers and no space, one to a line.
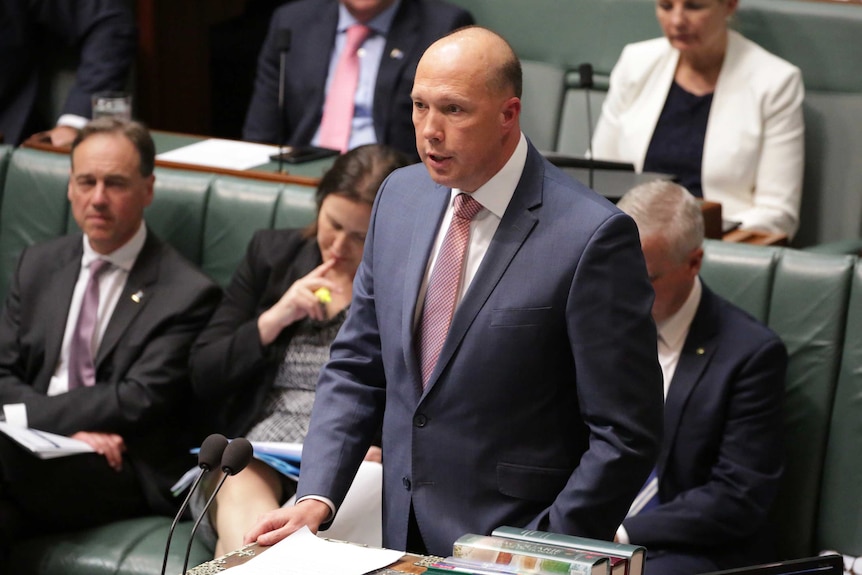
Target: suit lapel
(517,223)
(59,302)
(400,43)
(136,295)
(433,201)
(697,352)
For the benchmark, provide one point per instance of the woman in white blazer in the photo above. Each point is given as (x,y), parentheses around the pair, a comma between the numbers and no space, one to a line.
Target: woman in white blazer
(717,110)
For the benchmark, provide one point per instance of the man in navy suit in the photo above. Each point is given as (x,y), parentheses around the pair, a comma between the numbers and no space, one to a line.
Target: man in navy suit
(400,31)
(544,406)
(129,402)
(34,33)
(720,463)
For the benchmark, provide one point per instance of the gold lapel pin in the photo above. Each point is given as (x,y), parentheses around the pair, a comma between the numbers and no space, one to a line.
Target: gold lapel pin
(137,296)
(700,351)
(396,54)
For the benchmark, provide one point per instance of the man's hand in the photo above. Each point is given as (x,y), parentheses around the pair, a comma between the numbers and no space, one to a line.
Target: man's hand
(374,454)
(274,526)
(110,445)
(61,136)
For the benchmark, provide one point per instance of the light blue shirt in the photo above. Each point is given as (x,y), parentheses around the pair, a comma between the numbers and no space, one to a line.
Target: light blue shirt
(370,55)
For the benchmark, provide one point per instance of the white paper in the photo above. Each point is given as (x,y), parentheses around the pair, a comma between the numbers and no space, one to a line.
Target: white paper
(305,554)
(217,153)
(43,444)
(16,414)
(278,448)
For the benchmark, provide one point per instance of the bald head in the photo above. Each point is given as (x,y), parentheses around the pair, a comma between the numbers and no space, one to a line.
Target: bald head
(466,107)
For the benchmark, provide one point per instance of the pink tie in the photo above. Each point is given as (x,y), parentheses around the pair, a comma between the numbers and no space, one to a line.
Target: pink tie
(338,109)
(82,371)
(443,285)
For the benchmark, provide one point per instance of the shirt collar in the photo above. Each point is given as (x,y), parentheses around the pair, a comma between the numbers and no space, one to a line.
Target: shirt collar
(496,193)
(674,329)
(380,24)
(123,257)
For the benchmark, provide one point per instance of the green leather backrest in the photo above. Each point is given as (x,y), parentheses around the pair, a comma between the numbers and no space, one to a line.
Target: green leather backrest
(542,100)
(741,273)
(840,520)
(236,208)
(34,205)
(178,210)
(295,207)
(808,311)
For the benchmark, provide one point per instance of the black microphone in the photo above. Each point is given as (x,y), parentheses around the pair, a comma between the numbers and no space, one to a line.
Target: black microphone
(586,73)
(209,458)
(237,455)
(282,42)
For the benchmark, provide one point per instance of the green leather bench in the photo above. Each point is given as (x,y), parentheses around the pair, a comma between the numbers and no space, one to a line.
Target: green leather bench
(813,301)
(553,37)
(207,218)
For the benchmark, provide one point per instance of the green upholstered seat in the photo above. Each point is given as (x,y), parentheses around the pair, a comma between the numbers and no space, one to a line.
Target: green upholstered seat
(178,210)
(741,273)
(839,525)
(132,547)
(295,207)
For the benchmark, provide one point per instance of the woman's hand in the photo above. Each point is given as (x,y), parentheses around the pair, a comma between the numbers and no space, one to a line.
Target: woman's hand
(297,303)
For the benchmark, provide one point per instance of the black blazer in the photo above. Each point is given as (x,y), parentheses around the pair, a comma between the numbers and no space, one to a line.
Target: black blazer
(231,370)
(102,34)
(142,390)
(313,24)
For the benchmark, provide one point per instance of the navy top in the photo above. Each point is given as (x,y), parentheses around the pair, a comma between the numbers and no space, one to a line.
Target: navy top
(677,143)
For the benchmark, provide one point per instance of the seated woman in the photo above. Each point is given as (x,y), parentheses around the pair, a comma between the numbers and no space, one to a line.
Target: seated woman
(260,355)
(715,110)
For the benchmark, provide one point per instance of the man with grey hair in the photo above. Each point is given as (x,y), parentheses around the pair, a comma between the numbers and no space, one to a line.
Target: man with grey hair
(94,342)
(706,506)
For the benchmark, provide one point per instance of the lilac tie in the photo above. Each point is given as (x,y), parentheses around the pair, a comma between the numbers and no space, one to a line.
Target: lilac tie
(443,285)
(338,108)
(82,371)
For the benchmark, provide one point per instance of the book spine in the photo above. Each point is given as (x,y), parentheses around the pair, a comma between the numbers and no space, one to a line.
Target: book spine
(528,556)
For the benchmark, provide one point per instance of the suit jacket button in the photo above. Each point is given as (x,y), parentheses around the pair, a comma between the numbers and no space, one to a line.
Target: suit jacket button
(420,420)
(406,482)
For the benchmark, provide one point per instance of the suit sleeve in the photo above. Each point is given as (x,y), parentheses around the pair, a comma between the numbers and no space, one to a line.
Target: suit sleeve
(106,35)
(619,384)
(263,108)
(735,501)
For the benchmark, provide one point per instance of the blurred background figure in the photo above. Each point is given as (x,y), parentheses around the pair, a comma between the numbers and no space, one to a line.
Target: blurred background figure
(260,355)
(715,110)
(381,40)
(34,34)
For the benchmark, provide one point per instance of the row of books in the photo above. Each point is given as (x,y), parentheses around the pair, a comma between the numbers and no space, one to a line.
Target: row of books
(517,551)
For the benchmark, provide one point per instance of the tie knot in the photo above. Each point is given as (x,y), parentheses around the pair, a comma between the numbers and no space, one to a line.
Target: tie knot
(466,207)
(98,266)
(356,35)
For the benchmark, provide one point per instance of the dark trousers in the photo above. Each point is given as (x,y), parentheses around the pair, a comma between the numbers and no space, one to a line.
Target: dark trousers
(44,496)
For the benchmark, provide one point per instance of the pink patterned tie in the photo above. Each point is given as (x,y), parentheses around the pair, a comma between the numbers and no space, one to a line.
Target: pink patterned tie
(82,371)
(443,285)
(338,109)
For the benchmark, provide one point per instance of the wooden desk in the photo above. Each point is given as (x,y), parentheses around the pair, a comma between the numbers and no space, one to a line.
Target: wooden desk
(755,237)
(411,564)
(307,174)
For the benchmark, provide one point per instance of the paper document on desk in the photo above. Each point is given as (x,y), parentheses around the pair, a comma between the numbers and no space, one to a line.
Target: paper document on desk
(43,444)
(217,153)
(303,553)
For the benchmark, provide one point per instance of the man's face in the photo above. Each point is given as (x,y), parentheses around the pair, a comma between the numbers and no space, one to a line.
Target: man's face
(365,10)
(107,191)
(460,121)
(671,279)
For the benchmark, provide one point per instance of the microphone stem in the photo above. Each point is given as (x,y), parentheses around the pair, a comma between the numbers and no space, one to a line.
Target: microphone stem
(177,517)
(198,521)
(282,112)
(590,135)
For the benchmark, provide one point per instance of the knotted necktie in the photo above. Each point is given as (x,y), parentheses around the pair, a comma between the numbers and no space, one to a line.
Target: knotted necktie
(82,371)
(338,108)
(444,283)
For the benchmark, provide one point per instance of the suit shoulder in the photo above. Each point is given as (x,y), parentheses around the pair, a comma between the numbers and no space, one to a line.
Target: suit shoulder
(739,325)
(444,12)
(58,249)
(290,13)
(177,270)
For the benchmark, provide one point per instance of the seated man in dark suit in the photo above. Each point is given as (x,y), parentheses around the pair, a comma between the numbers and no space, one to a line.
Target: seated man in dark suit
(101,33)
(720,463)
(392,34)
(94,343)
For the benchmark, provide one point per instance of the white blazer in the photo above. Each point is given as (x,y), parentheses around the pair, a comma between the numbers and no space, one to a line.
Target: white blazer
(753,152)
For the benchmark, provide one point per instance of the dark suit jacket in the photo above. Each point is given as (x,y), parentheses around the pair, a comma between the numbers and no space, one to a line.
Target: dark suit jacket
(34,32)
(230,368)
(142,389)
(313,24)
(721,459)
(544,409)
